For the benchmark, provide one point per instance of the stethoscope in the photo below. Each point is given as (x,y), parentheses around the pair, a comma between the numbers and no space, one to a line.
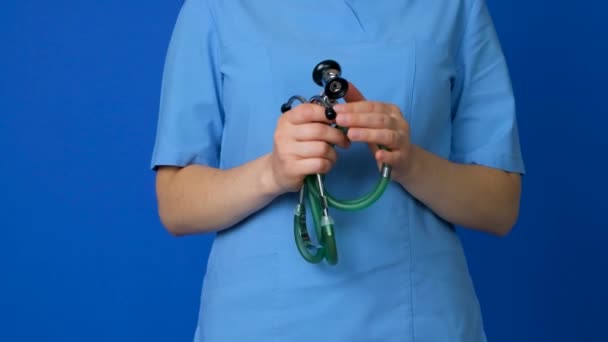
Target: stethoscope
(326,74)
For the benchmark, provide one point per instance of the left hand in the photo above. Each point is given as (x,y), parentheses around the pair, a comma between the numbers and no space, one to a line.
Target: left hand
(377,123)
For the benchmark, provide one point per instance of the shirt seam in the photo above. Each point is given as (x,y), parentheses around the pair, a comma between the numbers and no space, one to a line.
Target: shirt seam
(409,220)
(409,238)
(459,65)
(465,29)
(217,51)
(350,7)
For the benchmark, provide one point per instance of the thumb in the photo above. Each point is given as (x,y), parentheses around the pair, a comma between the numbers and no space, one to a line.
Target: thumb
(353,94)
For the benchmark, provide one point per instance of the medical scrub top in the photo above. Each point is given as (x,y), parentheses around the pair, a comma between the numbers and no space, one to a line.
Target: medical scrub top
(402,274)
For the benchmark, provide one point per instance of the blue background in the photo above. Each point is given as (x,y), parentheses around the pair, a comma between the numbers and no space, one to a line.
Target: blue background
(83,256)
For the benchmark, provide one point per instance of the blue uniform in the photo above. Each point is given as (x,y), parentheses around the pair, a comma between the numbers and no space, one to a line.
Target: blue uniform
(402,274)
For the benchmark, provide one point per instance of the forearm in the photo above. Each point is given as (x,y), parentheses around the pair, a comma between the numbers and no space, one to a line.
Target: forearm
(199,199)
(470,196)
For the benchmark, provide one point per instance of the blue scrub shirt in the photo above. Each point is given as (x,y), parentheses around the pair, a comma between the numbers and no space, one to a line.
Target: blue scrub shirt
(402,274)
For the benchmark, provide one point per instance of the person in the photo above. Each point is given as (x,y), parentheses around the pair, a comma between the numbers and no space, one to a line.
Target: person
(428,79)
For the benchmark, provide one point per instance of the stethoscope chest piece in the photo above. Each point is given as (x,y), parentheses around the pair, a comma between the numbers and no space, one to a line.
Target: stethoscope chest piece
(327,75)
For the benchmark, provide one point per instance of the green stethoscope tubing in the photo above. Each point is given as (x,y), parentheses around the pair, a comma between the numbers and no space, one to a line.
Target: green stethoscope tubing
(319,200)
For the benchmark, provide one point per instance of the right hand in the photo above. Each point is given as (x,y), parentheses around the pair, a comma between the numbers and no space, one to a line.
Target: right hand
(302,146)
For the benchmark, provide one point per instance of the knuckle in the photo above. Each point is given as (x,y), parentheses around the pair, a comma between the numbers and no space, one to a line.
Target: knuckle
(290,116)
(303,112)
(388,138)
(363,134)
(380,137)
(316,165)
(313,110)
(324,165)
(326,149)
(340,138)
(333,155)
(406,132)
(371,107)
(310,107)
(394,138)
(278,135)
(318,131)
(386,120)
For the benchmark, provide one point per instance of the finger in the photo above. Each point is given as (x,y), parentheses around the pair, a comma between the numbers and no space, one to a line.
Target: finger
(374,148)
(353,94)
(313,165)
(367,107)
(320,132)
(315,149)
(385,137)
(306,113)
(367,120)
(388,157)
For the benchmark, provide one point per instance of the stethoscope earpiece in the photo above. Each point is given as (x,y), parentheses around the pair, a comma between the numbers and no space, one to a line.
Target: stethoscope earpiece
(330,113)
(285,107)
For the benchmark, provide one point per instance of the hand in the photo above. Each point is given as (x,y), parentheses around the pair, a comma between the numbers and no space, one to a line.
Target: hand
(377,123)
(303,143)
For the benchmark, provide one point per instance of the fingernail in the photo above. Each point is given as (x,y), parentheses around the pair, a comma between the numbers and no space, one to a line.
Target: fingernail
(339,107)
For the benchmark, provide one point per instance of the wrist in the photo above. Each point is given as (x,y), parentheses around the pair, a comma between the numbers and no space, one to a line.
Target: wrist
(411,168)
(268,182)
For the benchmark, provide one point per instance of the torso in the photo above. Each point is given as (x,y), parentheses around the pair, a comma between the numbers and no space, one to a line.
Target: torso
(402,274)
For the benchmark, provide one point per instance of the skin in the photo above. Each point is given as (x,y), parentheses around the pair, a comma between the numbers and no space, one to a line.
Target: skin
(191,200)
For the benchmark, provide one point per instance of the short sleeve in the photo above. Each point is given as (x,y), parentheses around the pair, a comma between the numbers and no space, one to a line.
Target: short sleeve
(485,128)
(190,120)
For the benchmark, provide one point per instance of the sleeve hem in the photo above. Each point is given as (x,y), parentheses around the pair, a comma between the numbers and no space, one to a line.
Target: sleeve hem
(183,161)
(506,162)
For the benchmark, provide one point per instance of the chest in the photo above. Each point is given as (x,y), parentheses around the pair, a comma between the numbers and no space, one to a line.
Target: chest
(401,52)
